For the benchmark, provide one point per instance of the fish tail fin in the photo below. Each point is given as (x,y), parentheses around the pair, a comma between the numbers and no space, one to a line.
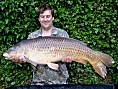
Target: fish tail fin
(100,64)
(100,68)
(106,59)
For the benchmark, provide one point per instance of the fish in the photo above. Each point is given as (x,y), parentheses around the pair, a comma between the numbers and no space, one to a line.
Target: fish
(49,50)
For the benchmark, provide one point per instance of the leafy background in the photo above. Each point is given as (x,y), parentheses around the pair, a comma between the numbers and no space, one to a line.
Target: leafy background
(91,21)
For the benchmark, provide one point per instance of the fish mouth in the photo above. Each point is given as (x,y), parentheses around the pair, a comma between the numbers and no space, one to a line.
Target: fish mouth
(6,55)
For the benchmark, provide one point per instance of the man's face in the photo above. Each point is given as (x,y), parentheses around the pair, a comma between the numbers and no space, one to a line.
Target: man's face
(46,20)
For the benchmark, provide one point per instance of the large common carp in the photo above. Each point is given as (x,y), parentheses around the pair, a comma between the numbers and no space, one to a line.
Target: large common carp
(47,50)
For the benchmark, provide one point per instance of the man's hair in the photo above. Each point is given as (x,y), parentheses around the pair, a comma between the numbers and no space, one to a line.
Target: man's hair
(44,7)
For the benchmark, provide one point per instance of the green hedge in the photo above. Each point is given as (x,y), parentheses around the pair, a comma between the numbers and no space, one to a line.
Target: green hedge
(93,22)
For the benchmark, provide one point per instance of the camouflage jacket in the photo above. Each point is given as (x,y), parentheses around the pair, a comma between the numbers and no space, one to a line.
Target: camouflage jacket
(42,74)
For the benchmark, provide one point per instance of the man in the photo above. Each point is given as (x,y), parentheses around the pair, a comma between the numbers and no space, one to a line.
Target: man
(42,74)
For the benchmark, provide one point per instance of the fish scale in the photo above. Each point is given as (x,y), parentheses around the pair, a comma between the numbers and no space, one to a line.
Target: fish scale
(47,50)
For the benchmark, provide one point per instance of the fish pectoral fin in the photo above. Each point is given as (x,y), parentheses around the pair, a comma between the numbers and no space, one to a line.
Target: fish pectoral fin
(53,66)
(29,61)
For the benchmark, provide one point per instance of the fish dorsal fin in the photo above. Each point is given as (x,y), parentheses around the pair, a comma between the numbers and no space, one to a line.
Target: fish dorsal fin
(53,66)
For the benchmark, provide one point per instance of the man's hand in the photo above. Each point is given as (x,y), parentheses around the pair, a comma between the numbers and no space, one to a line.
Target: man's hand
(18,60)
(67,59)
